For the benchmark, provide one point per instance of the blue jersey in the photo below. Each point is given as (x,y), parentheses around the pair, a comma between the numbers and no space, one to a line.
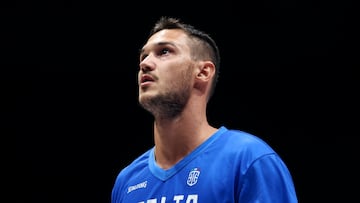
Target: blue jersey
(230,166)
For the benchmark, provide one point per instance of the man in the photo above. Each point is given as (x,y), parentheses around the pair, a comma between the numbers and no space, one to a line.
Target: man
(193,161)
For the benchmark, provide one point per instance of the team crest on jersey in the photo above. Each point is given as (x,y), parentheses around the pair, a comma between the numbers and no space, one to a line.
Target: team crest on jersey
(193,176)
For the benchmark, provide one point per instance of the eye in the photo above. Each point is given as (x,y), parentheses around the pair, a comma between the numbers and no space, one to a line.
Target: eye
(164,51)
(143,56)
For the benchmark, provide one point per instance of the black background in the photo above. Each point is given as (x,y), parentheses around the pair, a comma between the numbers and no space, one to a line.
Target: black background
(69,83)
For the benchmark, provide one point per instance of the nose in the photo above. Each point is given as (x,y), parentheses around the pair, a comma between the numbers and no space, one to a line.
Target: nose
(146,64)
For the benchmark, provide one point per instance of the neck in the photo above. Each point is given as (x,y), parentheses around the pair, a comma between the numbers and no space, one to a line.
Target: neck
(176,138)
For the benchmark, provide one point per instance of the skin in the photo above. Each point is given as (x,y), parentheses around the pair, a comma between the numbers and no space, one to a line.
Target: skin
(174,88)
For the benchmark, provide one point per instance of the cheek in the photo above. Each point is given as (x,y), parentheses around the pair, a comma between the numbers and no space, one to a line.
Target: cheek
(169,81)
(176,74)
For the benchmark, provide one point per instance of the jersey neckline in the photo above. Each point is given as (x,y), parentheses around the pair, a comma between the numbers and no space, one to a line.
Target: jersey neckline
(163,174)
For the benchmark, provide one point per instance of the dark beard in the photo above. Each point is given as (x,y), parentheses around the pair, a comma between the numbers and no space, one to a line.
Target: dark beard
(168,105)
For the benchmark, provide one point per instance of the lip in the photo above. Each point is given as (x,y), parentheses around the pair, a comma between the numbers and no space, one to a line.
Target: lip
(146,79)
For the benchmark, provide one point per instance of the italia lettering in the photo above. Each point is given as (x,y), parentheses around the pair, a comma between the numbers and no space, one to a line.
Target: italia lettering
(176,199)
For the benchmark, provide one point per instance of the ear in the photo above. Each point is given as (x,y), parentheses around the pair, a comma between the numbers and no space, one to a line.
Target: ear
(206,71)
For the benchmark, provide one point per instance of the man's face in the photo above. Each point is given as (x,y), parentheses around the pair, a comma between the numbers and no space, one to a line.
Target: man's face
(166,72)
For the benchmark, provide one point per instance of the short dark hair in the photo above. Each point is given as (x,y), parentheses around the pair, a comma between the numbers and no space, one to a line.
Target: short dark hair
(206,48)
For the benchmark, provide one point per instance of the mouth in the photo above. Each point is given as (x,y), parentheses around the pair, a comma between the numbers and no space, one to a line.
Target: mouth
(146,79)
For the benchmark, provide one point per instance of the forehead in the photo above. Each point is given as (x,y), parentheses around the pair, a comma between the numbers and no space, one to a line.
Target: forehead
(173,36)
